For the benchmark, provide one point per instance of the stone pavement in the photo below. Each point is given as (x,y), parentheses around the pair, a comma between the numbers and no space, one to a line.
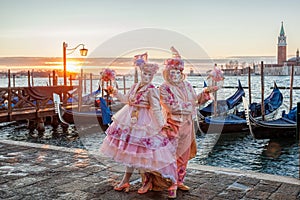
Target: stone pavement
(36,171)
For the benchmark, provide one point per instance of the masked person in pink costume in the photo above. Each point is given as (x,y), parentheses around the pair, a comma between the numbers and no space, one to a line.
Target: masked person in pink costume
(179,102)
(134,137)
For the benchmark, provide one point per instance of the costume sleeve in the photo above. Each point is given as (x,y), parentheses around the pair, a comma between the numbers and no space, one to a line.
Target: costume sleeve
(122,97)
(155,106)
(203,97)
(206,95)
(174,105)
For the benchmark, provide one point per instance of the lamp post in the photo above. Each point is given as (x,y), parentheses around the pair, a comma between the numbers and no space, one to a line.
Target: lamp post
(83,52)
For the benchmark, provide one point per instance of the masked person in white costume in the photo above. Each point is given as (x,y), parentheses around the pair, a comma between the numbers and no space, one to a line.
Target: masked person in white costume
(134,138)
(179,101)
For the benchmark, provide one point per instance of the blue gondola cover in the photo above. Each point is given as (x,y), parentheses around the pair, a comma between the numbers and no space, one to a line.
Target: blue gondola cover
(106,113)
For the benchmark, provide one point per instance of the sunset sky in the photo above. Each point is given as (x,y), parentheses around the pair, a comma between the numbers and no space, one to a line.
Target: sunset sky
(38,28)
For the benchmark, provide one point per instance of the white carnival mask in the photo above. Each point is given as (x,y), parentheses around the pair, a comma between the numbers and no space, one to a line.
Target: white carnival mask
(175,75)
(146,77)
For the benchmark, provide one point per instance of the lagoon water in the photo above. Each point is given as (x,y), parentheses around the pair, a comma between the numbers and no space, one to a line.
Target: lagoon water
(237,151)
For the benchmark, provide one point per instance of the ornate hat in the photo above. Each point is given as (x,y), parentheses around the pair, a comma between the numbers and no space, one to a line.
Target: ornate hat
(175,62)
(142,62)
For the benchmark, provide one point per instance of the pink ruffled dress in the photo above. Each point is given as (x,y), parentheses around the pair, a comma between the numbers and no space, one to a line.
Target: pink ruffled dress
(134,138)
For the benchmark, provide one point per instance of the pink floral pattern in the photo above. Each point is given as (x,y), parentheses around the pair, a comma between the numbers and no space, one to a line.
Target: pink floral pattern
(174,63)
(190,87)
(148,142)
(170,98)
(136,98)
(216,74)
(107,75)
(186,104)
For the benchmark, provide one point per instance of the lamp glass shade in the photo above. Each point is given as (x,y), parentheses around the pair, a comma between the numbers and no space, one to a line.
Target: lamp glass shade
(83,52)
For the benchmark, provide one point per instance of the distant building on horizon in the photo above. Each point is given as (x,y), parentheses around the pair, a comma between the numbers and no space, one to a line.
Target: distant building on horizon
(281,51)
(283,65)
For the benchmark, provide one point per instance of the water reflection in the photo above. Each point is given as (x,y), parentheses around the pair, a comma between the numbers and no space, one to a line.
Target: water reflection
(272,150)
(241,151)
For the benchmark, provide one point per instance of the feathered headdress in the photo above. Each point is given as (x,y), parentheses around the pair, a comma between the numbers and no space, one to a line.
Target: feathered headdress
(141,61)
(175,62)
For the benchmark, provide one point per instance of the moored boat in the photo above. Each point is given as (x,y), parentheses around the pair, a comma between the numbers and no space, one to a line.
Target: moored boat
(283,127)
(223,124)
(87,115)
(223,106)
(230,122)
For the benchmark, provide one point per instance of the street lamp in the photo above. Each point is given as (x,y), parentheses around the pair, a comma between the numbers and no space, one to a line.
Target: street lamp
(83,52)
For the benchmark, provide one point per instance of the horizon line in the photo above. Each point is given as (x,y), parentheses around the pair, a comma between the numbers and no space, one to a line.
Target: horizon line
(218,57)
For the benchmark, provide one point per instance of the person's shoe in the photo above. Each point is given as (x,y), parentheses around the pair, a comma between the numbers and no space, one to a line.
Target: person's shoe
(183,187)
(172,192)
(145,188)
(124,187)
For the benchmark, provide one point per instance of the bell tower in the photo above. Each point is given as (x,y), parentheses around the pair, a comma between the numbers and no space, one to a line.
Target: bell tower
(281,54)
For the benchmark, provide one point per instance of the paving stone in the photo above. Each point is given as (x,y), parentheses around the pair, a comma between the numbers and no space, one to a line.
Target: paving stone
(256,194)
(22,182)
(74,195)
(232,194)
(290,189)
(46,172)
(248,181)
(219,198)
(28,190)
(6,193)
(267,187)
(204,193)
(282,196)
(218,187)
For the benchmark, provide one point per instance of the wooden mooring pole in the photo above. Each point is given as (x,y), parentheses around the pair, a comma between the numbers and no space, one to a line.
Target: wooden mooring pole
(84,83)
(49,79)
(291,87)
(70,80)
(8,75)
(136,79)
(80,90)
(124,84)
(9,98)
(32,82)
(102,88)
(262,90)
(28,78)
(249,84)
(298,124)
(14,80)
(91,83)
(54,80)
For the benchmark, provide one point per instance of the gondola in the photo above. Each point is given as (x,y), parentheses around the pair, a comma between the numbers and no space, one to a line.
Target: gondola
(271,103)
(236,122)
(283,127)
(223,106)
(86,99)
(98,115)
(229,123)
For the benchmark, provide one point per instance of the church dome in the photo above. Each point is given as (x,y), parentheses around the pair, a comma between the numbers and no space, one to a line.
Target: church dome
(293,59)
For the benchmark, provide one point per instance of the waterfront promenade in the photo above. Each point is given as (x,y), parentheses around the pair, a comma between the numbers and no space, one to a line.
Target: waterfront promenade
(37,171)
